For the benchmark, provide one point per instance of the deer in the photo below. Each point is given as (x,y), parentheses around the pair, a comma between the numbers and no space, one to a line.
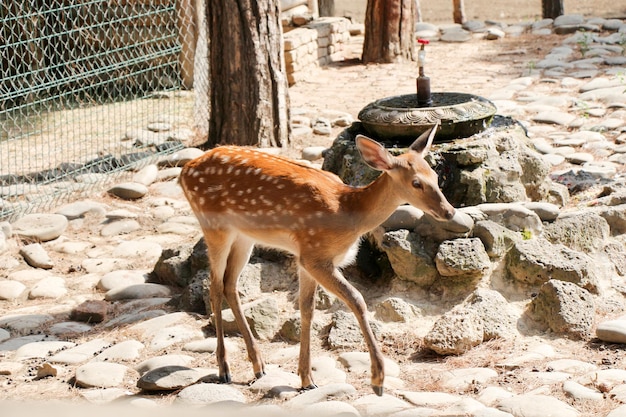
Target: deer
(242,197)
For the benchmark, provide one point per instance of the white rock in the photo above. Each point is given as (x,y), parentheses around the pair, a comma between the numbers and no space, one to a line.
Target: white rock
(100,375)
(166,337)
(40,227)
(13,291)
(166,360)
(122,278)
(80,353)
(613,331)
(580,392)
(203,394)
(25,322)
(124,351)
(137,291)
(359,362)
(52,287)
(41,349)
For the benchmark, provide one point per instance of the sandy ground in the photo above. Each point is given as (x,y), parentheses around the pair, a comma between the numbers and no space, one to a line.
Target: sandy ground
(503,10)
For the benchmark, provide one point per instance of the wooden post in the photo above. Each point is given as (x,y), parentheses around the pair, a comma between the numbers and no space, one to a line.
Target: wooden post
(459,11)
(188,36)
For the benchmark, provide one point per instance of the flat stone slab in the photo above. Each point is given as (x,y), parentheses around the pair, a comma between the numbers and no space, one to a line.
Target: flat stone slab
(100,375)
(127,350)
(359,362)
(40,227)
(138,291)
(164,361)
(203,394)
(157,323)
(536,406)
(323,393)
(80,209)
(129,190)
(13,291)
(122,278)
(104,395)
(429,399)
(51,287)
(69,328)
(373,405)
(169,378)
(80,353)
(16,342)
(25,322)
(171,335)
(41,349)
(120,227)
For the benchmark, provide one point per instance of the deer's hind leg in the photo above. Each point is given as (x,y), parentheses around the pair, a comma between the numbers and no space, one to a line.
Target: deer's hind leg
(239,255)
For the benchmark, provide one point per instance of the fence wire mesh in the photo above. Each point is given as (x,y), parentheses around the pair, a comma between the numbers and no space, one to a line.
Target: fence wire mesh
(89,90)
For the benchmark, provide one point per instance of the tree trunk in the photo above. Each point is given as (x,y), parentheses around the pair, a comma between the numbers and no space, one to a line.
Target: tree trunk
(418,12)
(326,7)
(389,31)
(458,13)
(247,78)
(551,9)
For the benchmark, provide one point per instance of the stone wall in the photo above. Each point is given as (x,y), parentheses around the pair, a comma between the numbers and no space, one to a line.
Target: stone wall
(313,45)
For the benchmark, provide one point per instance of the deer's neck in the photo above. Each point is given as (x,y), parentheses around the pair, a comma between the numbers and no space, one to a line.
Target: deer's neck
(373,204)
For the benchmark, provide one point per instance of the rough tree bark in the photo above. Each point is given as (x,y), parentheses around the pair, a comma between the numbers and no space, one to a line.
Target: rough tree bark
(389,31)
(551,9)
(458,14)
(247,78)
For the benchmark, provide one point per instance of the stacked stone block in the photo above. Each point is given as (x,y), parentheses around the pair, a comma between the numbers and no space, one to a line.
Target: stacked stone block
(316,44)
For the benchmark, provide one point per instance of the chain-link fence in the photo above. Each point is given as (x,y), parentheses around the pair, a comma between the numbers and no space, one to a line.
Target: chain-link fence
(90,88)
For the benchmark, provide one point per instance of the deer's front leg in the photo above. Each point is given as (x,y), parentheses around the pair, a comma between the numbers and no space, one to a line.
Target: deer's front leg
(331,279)
(308,286)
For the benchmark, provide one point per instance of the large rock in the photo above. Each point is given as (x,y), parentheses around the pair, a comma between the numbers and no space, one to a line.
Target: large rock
(462,259)
(565,308)
(410,256)
(495,168)
(455,333)
(536,261)
(345,331)
(174,266)
(498,316)
(582,231)
(394,309)
(513,216)
(497,239)
(262,316)
(615,216)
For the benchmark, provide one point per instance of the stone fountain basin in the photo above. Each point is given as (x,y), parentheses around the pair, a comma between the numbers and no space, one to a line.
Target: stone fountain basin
(400,119)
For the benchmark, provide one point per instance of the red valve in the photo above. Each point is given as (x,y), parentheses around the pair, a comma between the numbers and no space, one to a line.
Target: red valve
(423,41)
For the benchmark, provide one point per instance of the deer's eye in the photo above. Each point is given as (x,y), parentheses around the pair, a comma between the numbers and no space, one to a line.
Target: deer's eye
(417,184)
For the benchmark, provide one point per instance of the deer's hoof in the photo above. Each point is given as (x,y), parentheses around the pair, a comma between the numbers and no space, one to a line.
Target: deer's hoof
(309,387)
(378,390)
(225,379)
(259,375)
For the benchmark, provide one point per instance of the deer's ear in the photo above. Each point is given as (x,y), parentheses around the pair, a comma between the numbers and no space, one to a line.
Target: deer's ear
(374,154)
(422,144)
